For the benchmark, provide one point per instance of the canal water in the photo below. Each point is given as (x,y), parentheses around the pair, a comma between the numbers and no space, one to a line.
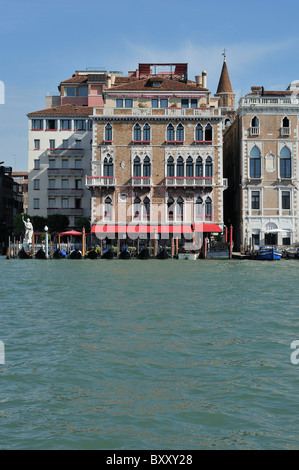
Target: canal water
(149,354)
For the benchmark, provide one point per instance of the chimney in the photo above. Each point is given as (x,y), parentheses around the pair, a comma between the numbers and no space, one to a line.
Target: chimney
(109,81)
(198,80)
(204,79)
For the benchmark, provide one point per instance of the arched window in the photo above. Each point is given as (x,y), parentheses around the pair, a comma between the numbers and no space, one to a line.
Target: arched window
(146,132)
(189,167)
(180,208)
(170,167)
(137,167)
(170,208)
(209,168)
(108,166)
(170,133)
(137,133)
(285,163)
(198,207)
(108,132)
(199,133)
(108,208)
(180,167)
(146,167)
(146,205)
(208,207)
(180,133)
(199,168)
(255,162)
(285,122)
(208,133)
(255,122)
(137,207)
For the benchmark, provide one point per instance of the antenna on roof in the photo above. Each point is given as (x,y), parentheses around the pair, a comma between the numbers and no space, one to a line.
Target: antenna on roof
(224,55)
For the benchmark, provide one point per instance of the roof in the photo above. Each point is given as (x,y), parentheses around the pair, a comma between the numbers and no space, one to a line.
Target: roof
(76,79)
(64,110)
(224,85)
(145,84)
(271,93)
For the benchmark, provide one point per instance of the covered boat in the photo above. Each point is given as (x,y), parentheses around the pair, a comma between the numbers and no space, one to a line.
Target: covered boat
(59,254)
(94,253)
(163,254)
(40,254)
(125,254)
(292,252)
(108,254)
(24,254)
(143,254)
(269,253)
(75,254)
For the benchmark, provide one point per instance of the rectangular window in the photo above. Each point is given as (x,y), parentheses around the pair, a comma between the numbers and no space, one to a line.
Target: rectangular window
(286,200)
(119,103)
(65,124)
(36,203)
(36,184)
(51,184)
(65,144)
(184,103)
(37,124)
(78,163)
(193,103)
(65,163)
(255,238)
(164,103)
(83,91)
(65,184)
(77,203)
(51,124)
(69,91)
(255,200)
(52,144)
(78,184)
(36,144)
(155,103)
(64,203)
(37,164)
(128,103)
(51,163)
(80,125)
(51,202)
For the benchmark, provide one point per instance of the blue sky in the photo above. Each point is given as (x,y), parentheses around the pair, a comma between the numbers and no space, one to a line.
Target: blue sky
(44,42)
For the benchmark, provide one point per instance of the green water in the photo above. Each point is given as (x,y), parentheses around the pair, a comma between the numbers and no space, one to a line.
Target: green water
(149,354)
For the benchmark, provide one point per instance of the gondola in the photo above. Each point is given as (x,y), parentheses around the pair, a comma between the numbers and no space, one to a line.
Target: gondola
(59,254)
(75,254)
(108,254)
(92,254)
(124,254)
(24,255)
(163,254)
(143,254)
(40,254)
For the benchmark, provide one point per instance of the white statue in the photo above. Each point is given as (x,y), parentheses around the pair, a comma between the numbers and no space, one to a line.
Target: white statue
(29,230)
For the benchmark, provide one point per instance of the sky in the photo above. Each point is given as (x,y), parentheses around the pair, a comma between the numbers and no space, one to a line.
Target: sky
(45,42)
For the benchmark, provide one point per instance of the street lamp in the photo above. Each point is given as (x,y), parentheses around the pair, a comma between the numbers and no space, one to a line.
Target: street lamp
(46,242)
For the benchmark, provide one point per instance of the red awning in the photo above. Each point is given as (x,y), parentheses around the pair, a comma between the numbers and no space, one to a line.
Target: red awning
(70,233)
(135,228)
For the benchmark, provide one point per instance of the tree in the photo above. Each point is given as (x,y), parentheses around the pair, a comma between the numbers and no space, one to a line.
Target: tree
(83,222)
(38,223)
(58,223)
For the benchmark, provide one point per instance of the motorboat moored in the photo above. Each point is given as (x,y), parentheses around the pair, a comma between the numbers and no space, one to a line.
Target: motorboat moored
(269,253)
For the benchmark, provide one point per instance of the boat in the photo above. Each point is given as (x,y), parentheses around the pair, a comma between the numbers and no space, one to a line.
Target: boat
(94,253)
(108,254)
(124,254)
(143,254)
(40,254)
(163,254)
(188,254)
(292,252)
(24,254)
(75,254)
(59,254)
(268,253)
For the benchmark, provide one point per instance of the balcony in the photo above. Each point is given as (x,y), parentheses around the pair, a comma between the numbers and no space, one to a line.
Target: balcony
(65,192)
(285,131)
(100,181)
(65,172)
(70,211)
(254,131)
(65,152)
(171,111)
(141,181)
(193,181)
(174,142)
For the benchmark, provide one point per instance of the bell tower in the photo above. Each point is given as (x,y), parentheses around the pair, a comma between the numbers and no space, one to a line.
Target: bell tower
(225,92)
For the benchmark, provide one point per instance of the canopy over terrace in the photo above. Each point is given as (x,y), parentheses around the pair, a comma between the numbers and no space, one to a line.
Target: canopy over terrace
(133,231)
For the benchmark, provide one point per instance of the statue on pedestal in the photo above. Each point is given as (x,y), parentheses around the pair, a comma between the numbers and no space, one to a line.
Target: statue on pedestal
(28,232)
